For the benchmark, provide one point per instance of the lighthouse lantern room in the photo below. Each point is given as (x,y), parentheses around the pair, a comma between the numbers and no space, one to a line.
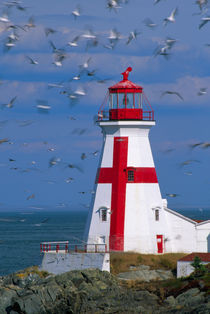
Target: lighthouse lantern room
(127,212)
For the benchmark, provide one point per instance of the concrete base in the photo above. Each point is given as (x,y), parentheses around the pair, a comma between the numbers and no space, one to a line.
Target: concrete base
(58,263)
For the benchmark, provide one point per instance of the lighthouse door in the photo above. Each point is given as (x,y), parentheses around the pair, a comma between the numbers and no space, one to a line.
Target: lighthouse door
(159,243)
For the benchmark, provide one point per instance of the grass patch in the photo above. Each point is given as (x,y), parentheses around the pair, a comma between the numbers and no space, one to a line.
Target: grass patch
(121,262)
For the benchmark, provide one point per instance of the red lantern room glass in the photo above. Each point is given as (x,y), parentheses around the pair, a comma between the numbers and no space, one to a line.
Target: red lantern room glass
(126,102)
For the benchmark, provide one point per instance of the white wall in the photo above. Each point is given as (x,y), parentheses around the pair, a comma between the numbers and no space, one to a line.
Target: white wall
(203,237)
(183,233)
(184,268)
(58,263)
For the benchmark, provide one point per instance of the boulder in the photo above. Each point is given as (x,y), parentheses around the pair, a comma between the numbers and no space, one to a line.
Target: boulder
(144,273)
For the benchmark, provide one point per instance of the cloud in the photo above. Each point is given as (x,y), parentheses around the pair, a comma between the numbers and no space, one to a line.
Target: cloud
(187,86)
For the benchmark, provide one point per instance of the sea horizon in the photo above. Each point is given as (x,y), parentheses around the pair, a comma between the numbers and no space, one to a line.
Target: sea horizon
(22,231)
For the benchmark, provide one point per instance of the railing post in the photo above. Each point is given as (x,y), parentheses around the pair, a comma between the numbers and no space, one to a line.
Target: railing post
(43,247)
(95,248)
(57,248)
(105,248)
(75,248)
(40,247)
(46,247)
(66,248)
(85,248)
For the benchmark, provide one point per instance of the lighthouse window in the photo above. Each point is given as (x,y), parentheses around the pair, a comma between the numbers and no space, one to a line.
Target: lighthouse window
(103,215)
(114,101)
(138,100)
(121,99)
(157,215)
(130,175)
(130,100)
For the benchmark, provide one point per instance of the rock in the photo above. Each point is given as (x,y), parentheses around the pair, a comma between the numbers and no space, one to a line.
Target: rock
(143,273)
(170,301)
(6,295)
(92,291)
(191,297)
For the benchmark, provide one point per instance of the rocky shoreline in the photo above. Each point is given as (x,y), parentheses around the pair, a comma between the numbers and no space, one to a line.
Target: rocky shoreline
(94,291)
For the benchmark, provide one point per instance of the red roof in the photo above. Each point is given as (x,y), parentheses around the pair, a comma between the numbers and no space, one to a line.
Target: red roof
(198,221)
(205,257)
(126,84)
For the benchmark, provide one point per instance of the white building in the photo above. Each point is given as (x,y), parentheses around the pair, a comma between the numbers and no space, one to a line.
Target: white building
(184,265)
(128,212)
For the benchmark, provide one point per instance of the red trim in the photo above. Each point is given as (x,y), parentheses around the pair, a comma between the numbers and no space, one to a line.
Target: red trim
(117,176)
(126,114)
(125,90)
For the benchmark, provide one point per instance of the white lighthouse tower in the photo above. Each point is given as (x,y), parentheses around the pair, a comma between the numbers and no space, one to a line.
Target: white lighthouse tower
(127,208)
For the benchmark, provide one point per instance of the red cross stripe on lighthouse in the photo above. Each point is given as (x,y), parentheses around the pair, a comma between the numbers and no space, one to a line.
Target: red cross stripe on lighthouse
(118,177)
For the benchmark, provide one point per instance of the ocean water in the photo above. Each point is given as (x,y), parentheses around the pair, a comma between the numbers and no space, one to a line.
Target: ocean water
(22,232)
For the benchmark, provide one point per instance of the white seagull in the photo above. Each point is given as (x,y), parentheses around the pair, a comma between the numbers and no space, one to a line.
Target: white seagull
(204,21)
(171,17)
(76,12)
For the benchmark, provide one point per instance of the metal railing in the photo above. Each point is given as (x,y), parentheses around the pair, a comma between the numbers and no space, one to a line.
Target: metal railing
(66,247)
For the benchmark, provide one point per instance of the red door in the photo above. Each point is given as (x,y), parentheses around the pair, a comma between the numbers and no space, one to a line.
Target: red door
(159,243)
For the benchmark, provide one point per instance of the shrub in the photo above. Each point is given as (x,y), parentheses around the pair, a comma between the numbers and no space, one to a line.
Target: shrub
(200,269)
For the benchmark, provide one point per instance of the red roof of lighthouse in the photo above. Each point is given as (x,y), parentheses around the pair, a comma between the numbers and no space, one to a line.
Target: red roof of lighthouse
(126,85)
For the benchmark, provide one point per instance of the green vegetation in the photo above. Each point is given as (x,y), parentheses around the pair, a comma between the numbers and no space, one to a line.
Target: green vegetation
(200,269)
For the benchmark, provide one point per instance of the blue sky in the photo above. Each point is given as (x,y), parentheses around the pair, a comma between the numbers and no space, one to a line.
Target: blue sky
(34,137)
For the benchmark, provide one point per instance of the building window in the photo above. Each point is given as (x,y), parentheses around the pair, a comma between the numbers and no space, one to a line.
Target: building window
(103,215)
(157,215)
(130,175)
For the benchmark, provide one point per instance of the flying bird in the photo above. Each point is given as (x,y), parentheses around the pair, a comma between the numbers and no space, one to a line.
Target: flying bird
(4,140)
(171,17)
(188,162)
(133,35)
(30,23)
(205,145)
(10,103)
(32,61)
(76,12)
(4,18)
(192,146)
(202,91)
(172,194)
(54,161)
(204,21)
(48,31)
(114,37)
(201,3)
(149,23)
(69,180)
(113,5)
(74,41)
(42,106)
(172,93)
(83,156)
(73,166)
(30,197)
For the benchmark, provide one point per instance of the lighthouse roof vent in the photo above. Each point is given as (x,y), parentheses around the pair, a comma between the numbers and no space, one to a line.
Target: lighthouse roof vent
(125,85)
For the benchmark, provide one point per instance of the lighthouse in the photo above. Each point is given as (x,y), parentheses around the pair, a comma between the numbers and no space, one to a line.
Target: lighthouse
(127,208)
(127,213)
